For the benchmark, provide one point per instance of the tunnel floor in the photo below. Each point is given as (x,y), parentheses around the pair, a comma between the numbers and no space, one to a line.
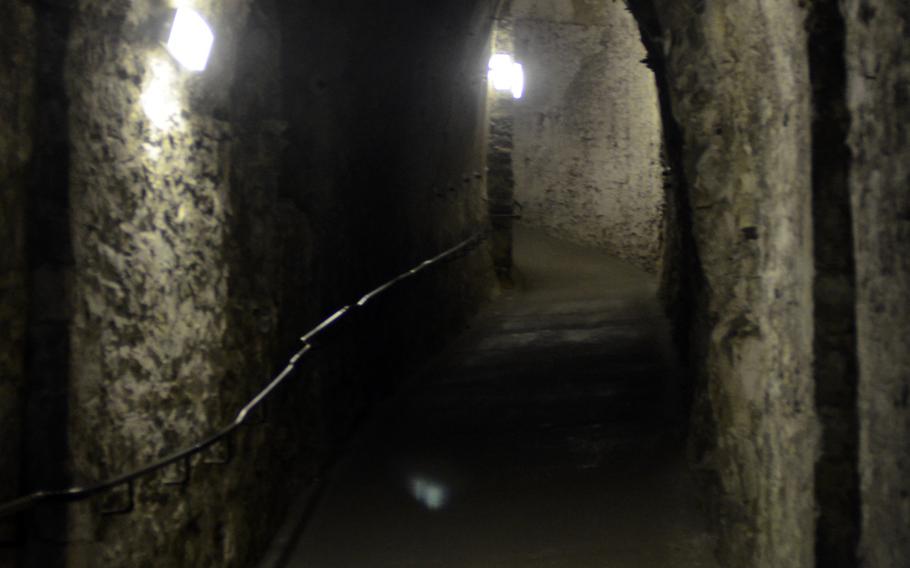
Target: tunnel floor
(545,436)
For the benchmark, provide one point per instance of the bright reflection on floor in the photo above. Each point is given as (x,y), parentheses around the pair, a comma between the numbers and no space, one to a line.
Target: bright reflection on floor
(429,493)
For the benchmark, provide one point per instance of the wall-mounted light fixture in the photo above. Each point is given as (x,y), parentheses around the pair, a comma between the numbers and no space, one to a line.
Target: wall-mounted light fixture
(190,40)
(506,74)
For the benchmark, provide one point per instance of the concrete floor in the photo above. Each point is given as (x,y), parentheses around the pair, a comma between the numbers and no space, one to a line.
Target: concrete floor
(544,437)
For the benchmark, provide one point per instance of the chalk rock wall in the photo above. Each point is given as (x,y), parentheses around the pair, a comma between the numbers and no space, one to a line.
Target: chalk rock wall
(385,160)
(738,79)
(878,63)
(587,136)
(216,216)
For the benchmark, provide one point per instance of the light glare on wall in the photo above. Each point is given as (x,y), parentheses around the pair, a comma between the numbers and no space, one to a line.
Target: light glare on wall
(506,74)
(190,40)
(159,98)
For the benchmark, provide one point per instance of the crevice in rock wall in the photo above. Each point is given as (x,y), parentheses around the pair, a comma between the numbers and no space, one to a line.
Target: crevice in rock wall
(49,251)
(835,365)
(681,278)
(17,82)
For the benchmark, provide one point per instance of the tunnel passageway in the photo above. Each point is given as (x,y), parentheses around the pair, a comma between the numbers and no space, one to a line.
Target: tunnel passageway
(190,187)
(544,436)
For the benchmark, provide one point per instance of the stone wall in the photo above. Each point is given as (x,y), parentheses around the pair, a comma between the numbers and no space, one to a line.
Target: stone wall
(587,153)
(193,225)
(149,189)
(878,63)
(737,74)
(50,263)
(17,60)
(165,237)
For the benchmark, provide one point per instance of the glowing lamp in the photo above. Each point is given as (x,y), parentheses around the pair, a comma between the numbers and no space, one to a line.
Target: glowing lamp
(506,75)
(190,40)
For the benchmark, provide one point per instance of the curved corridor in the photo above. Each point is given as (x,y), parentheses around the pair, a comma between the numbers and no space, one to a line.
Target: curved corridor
(544,436)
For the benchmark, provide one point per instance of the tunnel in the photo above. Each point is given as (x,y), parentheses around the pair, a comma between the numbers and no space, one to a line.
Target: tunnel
(480,283)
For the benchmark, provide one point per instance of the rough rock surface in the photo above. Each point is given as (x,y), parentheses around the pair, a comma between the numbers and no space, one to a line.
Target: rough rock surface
(215,216)
(587,155)
(738,77)
(149,190)
(878,63)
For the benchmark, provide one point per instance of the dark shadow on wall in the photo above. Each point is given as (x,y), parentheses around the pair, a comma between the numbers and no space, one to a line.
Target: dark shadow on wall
(50,261)
(834,290)
(368,124)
